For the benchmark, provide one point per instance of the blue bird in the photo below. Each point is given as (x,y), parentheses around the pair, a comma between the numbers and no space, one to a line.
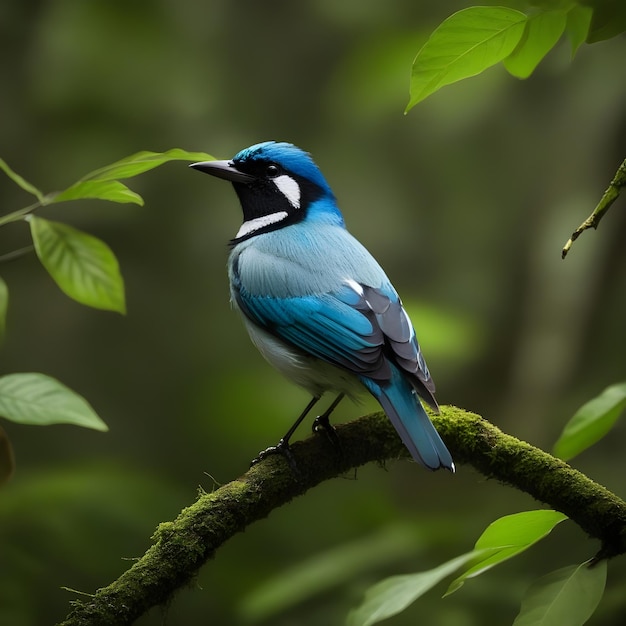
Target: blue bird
(316,303)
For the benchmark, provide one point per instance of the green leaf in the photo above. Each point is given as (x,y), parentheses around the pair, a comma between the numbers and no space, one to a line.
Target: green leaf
(542,32)
(577,27)
(608,20)
(591,422)
(392,595)
(142,162)
(111,190)
(326,571)
(567,596)
(104,184)
(83,266)
(463,45)
(37,399)
(4,305)
(18,180)
(506,538)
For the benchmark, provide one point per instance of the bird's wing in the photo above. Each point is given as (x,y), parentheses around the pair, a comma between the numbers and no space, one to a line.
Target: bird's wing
(357,327)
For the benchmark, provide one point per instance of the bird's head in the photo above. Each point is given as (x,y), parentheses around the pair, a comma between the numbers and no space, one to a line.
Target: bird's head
(278,184)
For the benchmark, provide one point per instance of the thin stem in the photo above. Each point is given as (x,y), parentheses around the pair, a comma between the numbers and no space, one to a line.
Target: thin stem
(16,254)
(20,213)
(608,198)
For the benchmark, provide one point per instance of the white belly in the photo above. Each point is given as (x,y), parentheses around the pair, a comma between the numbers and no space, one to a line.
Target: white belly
(309,372)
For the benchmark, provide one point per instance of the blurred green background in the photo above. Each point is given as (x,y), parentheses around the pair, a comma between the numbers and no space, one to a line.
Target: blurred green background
(466,202)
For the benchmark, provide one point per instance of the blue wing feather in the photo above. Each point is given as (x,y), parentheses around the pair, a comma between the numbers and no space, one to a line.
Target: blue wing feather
(322,326)
(357,327)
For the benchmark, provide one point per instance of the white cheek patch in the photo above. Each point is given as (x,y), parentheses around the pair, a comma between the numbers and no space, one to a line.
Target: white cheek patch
(289,188)
(260,222)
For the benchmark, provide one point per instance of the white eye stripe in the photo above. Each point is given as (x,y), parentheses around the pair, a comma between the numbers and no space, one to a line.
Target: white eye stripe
(289,188)
(260,222)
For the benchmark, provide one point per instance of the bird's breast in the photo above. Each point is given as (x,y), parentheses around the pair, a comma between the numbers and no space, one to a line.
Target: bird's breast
(302,260)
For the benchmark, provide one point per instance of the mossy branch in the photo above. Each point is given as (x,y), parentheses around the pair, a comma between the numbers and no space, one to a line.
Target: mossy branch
(181,547)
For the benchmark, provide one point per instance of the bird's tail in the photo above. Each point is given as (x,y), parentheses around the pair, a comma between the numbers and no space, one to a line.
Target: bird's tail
(402,406)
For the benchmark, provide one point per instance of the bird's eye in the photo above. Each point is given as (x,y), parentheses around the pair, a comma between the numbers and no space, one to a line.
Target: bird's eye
(272,171)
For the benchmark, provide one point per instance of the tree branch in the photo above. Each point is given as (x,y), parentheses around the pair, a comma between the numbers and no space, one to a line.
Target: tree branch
(608,198)
(181,547)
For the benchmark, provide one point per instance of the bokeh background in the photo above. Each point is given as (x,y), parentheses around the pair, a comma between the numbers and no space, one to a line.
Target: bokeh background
(466,201)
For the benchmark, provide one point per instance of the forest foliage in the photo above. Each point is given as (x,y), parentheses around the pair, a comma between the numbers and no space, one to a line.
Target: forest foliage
(87,270)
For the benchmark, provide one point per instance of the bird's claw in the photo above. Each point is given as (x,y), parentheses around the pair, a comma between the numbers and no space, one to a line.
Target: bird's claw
(284,449)
(321,424)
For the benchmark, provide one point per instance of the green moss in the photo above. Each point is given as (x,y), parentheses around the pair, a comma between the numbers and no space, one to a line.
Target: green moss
(182,546)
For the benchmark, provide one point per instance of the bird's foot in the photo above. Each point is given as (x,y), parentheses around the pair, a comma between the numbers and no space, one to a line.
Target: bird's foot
(284,449)
(321,424)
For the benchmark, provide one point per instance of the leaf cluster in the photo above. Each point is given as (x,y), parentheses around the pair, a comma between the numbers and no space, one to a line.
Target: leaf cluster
(566,596)
(85,268)
(478,37)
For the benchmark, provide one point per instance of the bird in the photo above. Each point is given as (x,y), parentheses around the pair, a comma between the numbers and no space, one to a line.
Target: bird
(317,304)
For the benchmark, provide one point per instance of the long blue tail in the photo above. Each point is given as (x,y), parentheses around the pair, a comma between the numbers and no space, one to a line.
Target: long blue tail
(403,408)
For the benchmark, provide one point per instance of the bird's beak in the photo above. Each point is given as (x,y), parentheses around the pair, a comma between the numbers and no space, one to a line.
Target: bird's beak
(223,169)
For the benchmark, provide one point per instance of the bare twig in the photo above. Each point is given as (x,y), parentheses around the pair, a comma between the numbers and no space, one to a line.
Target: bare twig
(16,254)
(609,196)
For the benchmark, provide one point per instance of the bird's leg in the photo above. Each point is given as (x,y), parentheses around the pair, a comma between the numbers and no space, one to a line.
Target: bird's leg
(282,447)
(322,423)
